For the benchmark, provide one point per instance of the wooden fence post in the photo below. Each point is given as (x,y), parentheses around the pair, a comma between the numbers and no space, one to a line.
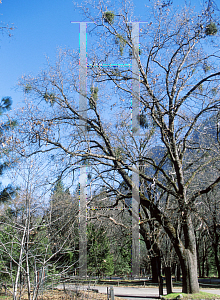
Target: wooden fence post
(160,281)
(112,293)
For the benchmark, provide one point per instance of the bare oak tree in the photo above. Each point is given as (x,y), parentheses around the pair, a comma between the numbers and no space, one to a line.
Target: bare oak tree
(179,89)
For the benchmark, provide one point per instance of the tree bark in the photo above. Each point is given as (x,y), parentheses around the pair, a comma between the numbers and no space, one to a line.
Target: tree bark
(215,245)
(189,273)
(156,268)
(207,267)
(217,259)
(185,249)
(198,256)
(188,259)
(178,277)
(168,275)
(155,253)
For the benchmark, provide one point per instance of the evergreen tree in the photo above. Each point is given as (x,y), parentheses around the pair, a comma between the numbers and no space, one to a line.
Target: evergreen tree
(122,257)
(5,127)
(58,188)
(63,229)
(100,258)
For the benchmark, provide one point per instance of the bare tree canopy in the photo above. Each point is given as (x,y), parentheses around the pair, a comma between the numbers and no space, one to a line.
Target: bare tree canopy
(176,134)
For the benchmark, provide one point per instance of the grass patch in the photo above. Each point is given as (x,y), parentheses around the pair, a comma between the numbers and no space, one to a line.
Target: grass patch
(5,297)
(200,295)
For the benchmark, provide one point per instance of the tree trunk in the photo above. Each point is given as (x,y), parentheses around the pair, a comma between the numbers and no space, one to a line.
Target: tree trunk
(198,257)
(155,253)
(199,268)
(217,261)
(185,249)
(190,283)
(160,281)
(207,267)
(178,273)
(188,258)
(203,265)
(168,275)
(204,255)
(156,268)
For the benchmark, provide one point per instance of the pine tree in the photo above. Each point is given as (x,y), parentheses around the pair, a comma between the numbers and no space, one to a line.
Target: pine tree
(63,230)
(100,258)
(5,127)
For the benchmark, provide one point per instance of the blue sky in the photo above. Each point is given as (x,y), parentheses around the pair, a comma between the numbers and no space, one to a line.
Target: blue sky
(41,27)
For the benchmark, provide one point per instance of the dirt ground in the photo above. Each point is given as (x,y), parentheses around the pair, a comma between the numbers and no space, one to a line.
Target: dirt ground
(61,295)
